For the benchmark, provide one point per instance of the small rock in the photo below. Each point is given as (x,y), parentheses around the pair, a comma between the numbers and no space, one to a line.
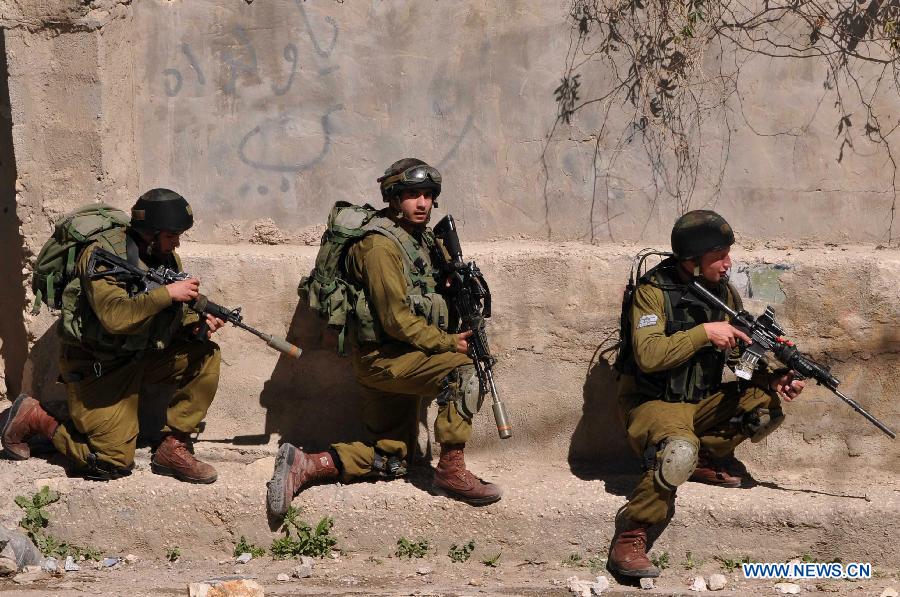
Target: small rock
(302,571)
(243,558)
(335,555)
(70,565)
(889,592)
(717,582)
(698,584)
(307,561)
(474,582)
(110,562)
(131,558)
(282,577)
(647,583)
(600,585)
(7,566)
(423,570)
(29,575)
(50,565)
(787,588)
(243,587)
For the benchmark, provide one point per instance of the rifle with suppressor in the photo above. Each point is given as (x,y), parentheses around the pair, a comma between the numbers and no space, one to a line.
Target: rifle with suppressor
(469,297)
(141,281)
(766,335)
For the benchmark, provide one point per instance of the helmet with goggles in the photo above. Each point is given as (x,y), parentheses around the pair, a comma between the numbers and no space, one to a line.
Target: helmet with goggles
(409,173)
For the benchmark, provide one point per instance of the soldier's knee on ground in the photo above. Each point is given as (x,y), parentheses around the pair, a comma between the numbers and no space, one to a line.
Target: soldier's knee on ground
(462,387)
(672,461)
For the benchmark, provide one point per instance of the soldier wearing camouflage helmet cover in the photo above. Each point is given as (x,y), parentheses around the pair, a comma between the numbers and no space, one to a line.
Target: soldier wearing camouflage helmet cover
(401,354)
(681,418)
(115,342)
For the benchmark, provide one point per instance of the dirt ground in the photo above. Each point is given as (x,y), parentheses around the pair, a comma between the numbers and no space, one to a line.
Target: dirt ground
(549,518)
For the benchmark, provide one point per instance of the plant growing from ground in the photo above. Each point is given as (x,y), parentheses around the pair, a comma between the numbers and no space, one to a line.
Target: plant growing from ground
(573,560)
(36,520)
(493,562)
(244,546)
(690,563)
(730,564)
(661,560)
(461,553)
(410,549)
(173,553)
(300,539)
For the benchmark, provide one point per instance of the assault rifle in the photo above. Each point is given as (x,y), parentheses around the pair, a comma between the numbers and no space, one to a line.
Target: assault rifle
(469,298)
(766,335)
(140,280)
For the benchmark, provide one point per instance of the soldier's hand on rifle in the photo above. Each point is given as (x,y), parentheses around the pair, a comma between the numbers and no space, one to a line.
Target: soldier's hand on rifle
(462,342)
(184,291)
(723,335)
(787,387)
(213,323)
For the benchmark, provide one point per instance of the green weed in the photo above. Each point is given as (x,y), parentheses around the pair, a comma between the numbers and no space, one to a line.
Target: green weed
(300,539)
(661,560)
(461,553)
(410,549)
(493,562)
(244,546)
(36,520)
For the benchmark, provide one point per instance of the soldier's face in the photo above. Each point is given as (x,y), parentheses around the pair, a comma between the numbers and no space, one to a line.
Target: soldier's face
(715,265)
(167,242)
(415,205)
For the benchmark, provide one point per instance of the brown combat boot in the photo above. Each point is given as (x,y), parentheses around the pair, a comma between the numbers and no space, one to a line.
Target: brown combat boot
(175,458)
(26,419)
(295,469)
(714,471)
(628,554)
(452,479)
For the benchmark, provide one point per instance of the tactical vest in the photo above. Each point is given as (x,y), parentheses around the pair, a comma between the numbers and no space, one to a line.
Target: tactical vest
(701,375)
(421,282)
(80,326)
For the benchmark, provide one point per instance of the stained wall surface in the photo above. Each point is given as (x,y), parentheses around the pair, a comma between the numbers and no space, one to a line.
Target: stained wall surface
(265,113)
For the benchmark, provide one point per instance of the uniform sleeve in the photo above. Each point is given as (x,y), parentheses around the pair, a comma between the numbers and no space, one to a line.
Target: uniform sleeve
(653,350)
(377,263)
(118,312)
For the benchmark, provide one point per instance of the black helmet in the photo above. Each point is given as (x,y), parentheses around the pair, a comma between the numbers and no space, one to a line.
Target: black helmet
(161,209)
(409,173)
(698,232)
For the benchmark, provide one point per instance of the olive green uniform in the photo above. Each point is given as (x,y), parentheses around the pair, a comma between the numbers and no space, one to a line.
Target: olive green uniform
(650,418)
(113,344)
(410,362)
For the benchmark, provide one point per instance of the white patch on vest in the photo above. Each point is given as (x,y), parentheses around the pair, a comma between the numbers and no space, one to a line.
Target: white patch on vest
(647,320)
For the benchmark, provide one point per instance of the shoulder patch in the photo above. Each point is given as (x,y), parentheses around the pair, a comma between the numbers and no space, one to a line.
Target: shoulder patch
(647,320)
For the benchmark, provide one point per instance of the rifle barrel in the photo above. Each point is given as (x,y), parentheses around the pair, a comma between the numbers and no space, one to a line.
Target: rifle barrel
(858,408)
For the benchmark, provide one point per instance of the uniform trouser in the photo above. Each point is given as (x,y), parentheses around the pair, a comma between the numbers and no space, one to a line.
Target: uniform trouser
(395,383)
(706,424)
(104,408)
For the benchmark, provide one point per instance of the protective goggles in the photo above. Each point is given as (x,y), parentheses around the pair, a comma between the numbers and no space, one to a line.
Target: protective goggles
(413,175)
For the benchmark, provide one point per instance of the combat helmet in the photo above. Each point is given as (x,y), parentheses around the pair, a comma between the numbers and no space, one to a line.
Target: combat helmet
(161,209)
(698,232)
(409,173)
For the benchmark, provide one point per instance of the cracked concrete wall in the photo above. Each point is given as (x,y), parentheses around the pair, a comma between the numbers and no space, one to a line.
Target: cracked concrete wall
(265,113)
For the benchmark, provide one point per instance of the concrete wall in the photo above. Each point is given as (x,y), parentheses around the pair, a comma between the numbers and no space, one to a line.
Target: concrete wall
(265,113)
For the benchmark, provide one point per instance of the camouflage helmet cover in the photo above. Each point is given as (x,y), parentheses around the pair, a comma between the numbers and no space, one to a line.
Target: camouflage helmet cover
(698,232)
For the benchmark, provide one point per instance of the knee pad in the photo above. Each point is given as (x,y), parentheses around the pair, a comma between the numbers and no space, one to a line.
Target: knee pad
(675,462)
(462,387)
(759,422)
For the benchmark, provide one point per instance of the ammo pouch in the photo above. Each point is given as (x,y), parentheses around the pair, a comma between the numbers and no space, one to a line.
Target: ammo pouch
(432,306)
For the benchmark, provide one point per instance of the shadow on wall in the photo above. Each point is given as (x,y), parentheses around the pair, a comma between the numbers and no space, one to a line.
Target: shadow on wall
(599,448)
(13,337)
(43,374)
(313,401)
